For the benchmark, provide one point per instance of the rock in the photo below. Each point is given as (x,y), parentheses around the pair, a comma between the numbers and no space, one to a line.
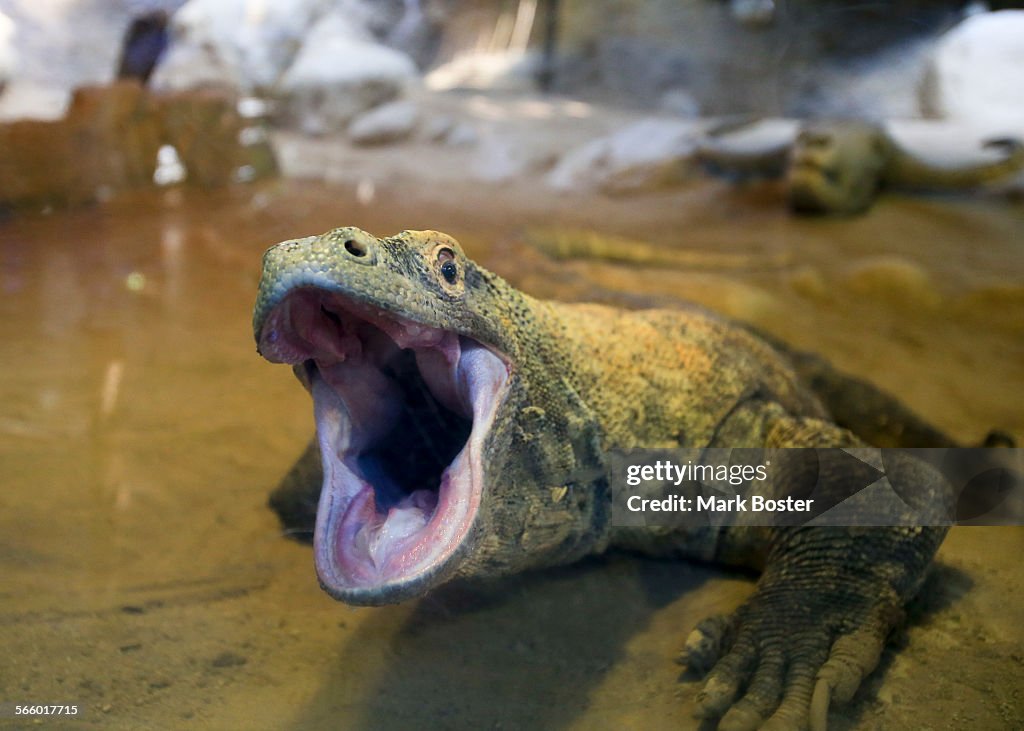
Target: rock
(975,74)
(117,134)
(110,141)
(505,71)
(436,128)
(462,134)
(500,157)
(34,165)
(27,100)
(387,123)
(237,43)
(339,73)
(444,130)
(8,54)
(187,66)
(648,154)
(208,133)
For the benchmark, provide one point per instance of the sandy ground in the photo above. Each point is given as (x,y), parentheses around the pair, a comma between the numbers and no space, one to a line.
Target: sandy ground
(144,578)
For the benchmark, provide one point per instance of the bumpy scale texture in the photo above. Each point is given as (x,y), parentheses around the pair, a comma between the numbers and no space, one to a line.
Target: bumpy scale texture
(586,379)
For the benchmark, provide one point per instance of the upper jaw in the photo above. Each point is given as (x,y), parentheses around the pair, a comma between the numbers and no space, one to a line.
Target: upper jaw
(393,517)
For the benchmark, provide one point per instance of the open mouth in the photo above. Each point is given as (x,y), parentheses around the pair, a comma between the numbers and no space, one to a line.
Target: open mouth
(402,411)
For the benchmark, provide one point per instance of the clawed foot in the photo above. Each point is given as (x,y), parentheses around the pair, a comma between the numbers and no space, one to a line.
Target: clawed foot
(787,654)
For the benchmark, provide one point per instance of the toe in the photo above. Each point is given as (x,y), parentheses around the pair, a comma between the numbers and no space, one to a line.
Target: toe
(706,644)
(792,713)
(724,680)
(762,695)
(853,656)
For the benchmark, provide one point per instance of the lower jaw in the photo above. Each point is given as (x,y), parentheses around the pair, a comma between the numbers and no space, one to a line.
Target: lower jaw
(404,568)
(395,591)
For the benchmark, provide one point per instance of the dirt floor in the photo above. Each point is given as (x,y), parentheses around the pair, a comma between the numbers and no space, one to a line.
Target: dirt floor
(145,579)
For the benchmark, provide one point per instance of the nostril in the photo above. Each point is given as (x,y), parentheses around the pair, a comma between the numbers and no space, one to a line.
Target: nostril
(355,248)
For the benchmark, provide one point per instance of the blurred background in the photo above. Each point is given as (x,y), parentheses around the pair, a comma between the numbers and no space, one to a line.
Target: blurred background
(846,176)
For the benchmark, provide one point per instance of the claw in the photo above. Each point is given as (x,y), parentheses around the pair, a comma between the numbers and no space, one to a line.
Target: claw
(705,643)
(819,706)
(716,697)
(723,683)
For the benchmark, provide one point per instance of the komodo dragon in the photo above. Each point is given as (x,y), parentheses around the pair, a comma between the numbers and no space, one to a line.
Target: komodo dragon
(464,429)
(839,167)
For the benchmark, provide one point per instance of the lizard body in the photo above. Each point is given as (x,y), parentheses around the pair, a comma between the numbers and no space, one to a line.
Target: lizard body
(463,431)
(840,166)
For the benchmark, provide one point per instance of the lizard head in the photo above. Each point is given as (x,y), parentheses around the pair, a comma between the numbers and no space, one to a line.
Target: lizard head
(836,167)
(408,350)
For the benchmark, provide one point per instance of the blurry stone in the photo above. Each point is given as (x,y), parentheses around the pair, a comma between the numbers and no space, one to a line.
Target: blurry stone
(391,122)
(116,134)
(437,128)
(506,71)
(894,280)
(649,154)
(208,133)
(35,167)
(25,100)
(444,130)
(194,67)
(462,134)
(975,76)
(499,158)
(107,142)
(8,54)
(110,141)
(340,72)
(236,43)
(748,149)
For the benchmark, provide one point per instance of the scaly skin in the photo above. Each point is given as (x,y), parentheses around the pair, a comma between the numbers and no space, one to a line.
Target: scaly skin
(586,379)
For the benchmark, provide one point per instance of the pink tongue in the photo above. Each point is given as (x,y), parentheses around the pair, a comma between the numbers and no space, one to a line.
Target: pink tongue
(380,539)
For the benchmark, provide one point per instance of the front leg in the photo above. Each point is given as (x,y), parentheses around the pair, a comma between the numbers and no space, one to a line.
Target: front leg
(813,629)
(819,617)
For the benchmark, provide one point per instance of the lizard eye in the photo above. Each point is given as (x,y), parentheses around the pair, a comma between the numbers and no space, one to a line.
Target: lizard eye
(449,269)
